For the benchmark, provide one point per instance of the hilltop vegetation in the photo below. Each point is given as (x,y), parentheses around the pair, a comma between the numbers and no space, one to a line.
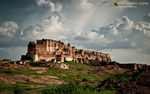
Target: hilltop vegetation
(78,79)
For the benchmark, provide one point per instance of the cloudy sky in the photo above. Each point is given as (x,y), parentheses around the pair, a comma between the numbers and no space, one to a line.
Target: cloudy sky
(123,32)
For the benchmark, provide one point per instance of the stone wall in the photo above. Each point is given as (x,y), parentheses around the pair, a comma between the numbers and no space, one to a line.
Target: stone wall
(133,66)
(47,49)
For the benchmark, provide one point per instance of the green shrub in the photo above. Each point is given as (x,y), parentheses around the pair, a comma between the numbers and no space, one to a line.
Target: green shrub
(124,77)
(107,92)
(18,90)
(70,88)
(37,64)
(84,80)
(61,89)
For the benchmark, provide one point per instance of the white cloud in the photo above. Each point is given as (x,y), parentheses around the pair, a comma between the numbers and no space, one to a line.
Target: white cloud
(115,31)
(86,5)
(8,29)
(51,27)
(126,23)
(146,18)
(122,34)
(143,27)
(47,3)
(52,24)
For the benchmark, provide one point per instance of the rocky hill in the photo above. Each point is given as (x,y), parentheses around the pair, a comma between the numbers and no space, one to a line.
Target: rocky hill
(36,78)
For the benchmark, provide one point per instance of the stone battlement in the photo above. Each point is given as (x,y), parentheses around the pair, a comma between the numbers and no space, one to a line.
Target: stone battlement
(48,49)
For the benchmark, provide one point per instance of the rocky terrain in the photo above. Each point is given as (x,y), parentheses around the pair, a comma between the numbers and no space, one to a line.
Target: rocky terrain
(133,83)
(107,79)
(13,67)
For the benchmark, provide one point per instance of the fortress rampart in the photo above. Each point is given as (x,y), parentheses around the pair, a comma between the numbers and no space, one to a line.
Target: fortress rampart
(47,50)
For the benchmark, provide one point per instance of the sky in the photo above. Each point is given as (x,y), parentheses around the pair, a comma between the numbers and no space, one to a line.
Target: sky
(97,25)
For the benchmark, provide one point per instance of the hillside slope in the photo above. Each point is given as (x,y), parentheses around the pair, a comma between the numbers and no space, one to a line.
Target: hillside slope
(37,79)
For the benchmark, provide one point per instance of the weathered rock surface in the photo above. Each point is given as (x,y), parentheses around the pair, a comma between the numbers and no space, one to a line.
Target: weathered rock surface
(30,78)
(13,67)
(134,86)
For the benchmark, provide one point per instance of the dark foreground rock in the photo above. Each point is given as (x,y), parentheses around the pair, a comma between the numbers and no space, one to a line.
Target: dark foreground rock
(137,83)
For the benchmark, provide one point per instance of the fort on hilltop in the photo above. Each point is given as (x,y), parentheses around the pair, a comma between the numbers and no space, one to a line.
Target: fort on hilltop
(48,50)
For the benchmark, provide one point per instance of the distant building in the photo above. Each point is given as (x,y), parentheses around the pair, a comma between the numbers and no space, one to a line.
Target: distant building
(48,50)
